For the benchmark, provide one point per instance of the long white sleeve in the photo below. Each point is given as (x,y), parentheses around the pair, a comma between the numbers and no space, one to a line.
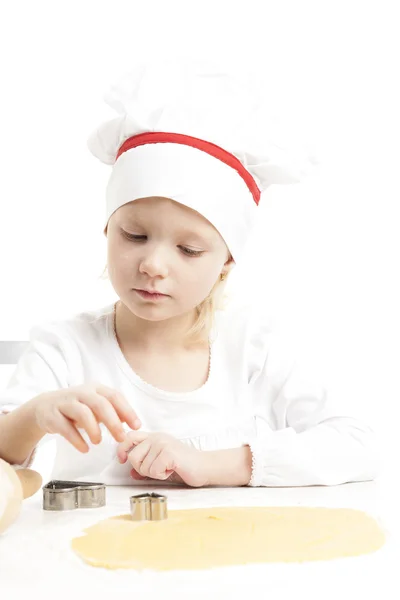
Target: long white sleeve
(41,368)
(313,442)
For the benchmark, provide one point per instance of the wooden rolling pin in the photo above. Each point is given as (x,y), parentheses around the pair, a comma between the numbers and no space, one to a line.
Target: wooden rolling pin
(15,486)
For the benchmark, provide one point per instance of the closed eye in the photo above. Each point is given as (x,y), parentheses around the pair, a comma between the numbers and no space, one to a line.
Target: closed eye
(141,238)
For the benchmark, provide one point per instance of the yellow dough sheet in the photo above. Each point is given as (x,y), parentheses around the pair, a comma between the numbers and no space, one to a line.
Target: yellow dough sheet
(212,537)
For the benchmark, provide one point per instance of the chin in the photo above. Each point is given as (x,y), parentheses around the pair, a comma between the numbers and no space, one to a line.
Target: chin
(149,314)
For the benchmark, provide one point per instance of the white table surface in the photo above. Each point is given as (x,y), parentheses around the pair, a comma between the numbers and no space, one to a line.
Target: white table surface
(35,553)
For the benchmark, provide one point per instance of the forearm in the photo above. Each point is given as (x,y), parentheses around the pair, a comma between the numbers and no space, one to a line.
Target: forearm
(339,450)
(230,467)
(19,433)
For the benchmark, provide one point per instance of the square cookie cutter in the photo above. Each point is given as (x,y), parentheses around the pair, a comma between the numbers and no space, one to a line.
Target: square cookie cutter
(68,495)
(149,507)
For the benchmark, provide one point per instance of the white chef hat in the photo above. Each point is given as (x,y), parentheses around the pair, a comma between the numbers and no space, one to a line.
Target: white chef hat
(199,135)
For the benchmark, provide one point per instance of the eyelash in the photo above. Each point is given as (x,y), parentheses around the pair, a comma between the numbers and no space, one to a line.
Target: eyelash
(187,251)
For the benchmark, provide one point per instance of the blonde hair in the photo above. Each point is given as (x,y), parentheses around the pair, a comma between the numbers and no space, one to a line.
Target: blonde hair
(216,300)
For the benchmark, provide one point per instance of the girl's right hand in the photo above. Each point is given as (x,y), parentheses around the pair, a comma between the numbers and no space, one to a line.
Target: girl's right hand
(84,407)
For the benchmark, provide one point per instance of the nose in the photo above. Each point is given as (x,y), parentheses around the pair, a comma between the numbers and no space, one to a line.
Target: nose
(154,262)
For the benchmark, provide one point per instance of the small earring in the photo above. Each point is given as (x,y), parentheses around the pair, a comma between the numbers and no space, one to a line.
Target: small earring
(223,276)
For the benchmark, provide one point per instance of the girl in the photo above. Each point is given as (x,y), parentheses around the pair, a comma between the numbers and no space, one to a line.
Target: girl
(167,384)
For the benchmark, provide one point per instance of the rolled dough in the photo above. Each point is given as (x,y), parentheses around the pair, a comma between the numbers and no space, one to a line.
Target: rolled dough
(210,537)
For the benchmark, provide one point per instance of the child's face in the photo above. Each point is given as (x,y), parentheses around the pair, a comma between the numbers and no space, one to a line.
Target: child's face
(161,260)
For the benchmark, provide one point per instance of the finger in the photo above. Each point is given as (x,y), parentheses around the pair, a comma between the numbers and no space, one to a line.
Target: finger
(132,438)
(164,465)
(122,407)
(83,418)
(146,467)
(163,475)
(136,475)
(105,413)
(138,454)
(66,428)
(122,456)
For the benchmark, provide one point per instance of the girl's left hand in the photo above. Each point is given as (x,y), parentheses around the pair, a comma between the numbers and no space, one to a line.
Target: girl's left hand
(161,456)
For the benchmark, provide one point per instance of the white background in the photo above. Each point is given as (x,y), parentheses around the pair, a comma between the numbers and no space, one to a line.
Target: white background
(324,262)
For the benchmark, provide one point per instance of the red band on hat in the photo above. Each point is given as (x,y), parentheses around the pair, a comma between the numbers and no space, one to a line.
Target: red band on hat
(154,137)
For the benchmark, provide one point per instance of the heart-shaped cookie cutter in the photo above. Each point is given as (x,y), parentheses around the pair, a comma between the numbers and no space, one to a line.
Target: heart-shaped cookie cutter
(149,507)
(68,495)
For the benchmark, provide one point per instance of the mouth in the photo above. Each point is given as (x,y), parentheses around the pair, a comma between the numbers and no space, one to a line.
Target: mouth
(150,295)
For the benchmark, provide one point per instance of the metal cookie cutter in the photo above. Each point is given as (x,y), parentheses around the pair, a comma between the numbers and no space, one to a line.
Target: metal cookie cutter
(149,507)
(66,495)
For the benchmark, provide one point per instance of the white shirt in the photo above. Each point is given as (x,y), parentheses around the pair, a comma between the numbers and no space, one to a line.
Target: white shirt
(256,394)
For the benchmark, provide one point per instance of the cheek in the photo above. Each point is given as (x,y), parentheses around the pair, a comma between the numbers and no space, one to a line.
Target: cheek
(202,280)
(119,271)
(119,257)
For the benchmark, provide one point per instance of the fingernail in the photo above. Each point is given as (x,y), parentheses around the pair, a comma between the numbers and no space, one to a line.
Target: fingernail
(137,423)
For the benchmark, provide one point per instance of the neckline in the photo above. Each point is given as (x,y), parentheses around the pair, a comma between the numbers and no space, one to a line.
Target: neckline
(141,383)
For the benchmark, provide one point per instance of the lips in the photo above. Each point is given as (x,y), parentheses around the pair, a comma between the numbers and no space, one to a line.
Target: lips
(152,292)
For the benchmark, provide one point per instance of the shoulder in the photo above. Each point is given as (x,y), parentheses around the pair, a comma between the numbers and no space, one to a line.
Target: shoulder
(61,332)
(254,335)
(242,322)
